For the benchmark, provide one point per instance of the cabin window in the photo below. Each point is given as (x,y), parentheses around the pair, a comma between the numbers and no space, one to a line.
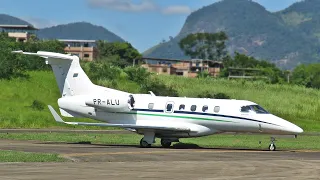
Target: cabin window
(182,107)
(150,106)
(205,108)
(216,109)
(258,109)
(193,108)
(169,107)
(245,109)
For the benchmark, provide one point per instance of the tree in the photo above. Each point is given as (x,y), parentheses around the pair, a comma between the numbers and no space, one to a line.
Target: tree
(118,53)
(266,68)
(14,65)
(307,75)
(205,45)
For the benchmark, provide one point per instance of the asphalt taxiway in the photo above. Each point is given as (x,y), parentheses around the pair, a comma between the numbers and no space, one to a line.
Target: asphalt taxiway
(98,161)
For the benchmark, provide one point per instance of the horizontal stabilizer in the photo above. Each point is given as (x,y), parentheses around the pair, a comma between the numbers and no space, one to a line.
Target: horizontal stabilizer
(45,54)
(125,126)
(55,115)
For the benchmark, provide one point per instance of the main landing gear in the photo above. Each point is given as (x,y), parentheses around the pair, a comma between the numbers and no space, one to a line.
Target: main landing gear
(144,144)
(149,138)
(272,146)
(166,143)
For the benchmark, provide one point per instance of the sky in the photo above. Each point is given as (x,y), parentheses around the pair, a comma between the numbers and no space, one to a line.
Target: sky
(143,23)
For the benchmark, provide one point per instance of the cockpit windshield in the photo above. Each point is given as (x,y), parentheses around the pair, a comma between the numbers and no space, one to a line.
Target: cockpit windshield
(256,108)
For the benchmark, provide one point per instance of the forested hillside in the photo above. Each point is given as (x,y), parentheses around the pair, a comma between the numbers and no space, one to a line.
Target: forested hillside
(79,30)
(6,19)
(255,31)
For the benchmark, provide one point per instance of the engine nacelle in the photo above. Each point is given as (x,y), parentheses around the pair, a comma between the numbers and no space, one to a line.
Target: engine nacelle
(112,103)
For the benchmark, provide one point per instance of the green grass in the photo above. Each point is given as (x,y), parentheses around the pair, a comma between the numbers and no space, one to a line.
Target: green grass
(214,141)
(299,105)
(17,96)
(17,156)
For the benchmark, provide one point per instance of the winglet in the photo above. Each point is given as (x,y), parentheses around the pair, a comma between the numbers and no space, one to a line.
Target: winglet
(55,115)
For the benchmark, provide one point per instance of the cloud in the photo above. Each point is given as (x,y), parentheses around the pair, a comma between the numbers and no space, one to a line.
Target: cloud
(141,6)
(177,10)
(123,5)
(39,22)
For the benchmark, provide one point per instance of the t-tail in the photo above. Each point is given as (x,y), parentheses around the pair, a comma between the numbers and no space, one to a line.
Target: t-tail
(70,77)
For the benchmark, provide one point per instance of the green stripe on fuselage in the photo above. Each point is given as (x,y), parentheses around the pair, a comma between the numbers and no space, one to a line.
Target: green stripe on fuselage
(172,116)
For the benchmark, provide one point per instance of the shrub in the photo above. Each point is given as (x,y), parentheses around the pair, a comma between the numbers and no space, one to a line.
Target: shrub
(37,105)
(207,94)
(221,96)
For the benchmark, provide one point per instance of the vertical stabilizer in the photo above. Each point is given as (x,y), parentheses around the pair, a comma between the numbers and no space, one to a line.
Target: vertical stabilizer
(70,77)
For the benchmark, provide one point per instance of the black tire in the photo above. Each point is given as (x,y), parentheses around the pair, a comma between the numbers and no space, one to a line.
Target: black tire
(165,143)
(144,144)
(272,147)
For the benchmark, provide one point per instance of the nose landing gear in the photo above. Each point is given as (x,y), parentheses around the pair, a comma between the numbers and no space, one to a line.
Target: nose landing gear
(272,146)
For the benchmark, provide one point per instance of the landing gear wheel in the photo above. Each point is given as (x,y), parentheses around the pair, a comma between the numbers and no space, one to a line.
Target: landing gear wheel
(144,144)
(165,143)
(272,147)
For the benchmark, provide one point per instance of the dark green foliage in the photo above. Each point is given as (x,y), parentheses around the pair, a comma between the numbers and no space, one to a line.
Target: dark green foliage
(37,105)
(148,83)
(103,71)
(205,45)
(157,87)
(10,64)
(203,74)
(264,68)
(221,96)
(137,74)
(307,75)
(79,30)
(14,65)
(118,53)
(207,94)
(106,74)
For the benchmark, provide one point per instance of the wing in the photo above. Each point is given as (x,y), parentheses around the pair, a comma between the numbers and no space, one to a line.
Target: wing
(125,126)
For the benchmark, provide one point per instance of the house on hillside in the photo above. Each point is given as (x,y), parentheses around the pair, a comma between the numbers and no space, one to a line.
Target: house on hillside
(84,49)
(22,33)
(186,68)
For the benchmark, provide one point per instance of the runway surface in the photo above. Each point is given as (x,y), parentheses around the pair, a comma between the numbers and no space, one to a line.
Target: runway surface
(96,161)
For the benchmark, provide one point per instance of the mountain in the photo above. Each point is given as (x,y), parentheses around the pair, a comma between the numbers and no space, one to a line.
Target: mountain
(78,30)
(303,16)
(255,31)
(10,20)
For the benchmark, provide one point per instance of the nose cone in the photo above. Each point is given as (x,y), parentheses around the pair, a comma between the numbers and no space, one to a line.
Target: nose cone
(286,127)
(292,128)
(297,129)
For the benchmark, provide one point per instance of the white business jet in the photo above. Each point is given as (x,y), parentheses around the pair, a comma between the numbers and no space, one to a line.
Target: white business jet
(168,118)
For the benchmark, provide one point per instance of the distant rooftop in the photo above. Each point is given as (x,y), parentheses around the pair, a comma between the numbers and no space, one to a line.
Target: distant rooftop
(25,27)
(77,40)
(180,60)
